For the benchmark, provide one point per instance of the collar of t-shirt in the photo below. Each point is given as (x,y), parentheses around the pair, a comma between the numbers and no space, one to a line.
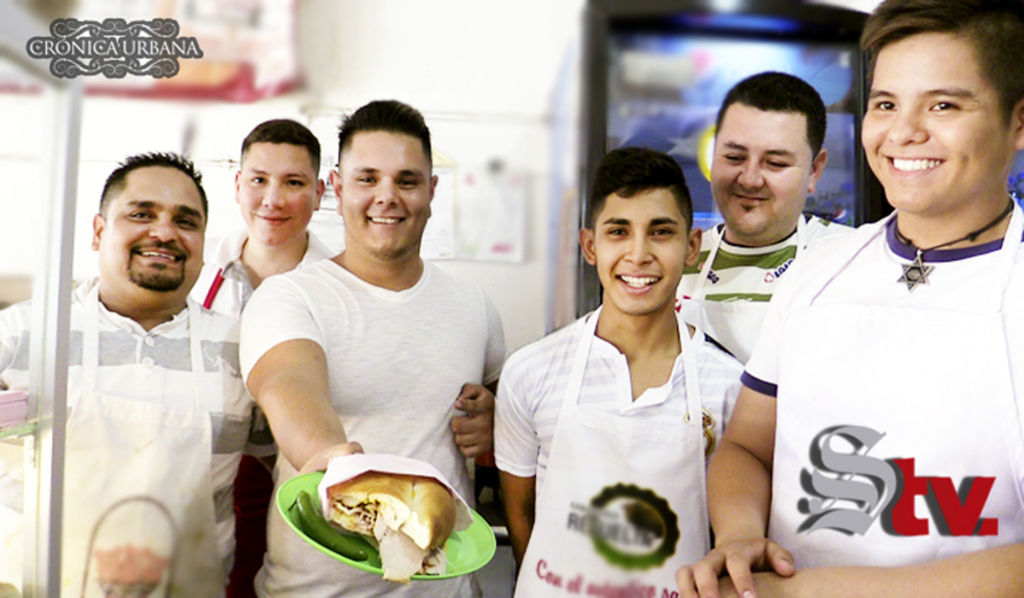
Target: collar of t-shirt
(657,395)
(909,252)
(379,292)
(742,250)
(121,322)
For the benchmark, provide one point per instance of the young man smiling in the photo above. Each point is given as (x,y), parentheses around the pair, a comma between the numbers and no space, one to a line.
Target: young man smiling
(278,189)
(768,158)
(620,408)
(374,345)
(923,311)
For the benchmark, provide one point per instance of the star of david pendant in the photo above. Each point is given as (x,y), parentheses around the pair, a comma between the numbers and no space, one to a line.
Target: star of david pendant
(915,273)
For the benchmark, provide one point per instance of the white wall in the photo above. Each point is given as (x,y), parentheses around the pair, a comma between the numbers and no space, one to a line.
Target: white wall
(489,76)
(483,74)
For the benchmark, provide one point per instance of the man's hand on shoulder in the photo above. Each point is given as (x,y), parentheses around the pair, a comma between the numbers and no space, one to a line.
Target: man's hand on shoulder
(737,560)
(474,431)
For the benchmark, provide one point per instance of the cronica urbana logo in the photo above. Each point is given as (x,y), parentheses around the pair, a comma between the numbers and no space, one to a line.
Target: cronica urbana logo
(114,48)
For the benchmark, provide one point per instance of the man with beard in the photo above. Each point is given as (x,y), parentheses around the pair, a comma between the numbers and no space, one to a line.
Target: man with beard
(158,413)
(768,159)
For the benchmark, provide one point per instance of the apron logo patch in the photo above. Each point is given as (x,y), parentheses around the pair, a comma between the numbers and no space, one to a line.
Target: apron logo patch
(850,490)
(631,527)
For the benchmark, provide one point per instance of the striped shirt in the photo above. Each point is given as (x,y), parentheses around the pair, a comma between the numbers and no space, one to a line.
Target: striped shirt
(153,366)
(534,381)
(748,273)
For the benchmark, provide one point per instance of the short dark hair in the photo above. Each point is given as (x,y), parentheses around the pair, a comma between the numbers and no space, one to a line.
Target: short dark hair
(384,115)
(116,181)
(780,92)
(628,171)
(284,130)
(994,28)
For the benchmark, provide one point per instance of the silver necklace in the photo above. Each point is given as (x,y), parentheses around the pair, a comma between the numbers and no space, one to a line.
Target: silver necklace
(916,272)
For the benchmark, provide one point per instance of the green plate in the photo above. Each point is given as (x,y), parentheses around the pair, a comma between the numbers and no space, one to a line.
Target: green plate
(467,551)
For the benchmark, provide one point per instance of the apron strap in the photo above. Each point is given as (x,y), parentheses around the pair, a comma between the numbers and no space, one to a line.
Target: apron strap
(691,379)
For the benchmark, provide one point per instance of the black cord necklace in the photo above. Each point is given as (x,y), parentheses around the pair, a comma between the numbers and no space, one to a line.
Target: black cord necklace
(917,272)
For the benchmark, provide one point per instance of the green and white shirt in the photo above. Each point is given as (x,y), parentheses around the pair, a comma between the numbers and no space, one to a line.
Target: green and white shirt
(745,275)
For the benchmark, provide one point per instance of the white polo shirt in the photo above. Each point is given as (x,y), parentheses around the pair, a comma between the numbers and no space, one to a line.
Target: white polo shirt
(232,293)
(534,381)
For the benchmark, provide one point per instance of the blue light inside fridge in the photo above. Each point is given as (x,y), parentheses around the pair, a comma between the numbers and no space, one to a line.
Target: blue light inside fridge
(665,89)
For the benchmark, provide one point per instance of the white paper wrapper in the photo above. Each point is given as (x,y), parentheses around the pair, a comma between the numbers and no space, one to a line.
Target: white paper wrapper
(340,469)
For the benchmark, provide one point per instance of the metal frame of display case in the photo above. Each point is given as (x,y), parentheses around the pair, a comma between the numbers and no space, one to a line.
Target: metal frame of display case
(51,302)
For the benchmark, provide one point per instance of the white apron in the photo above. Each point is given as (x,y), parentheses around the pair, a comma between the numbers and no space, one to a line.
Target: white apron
(647,476)
(138,504)
(734,324)
(924,384)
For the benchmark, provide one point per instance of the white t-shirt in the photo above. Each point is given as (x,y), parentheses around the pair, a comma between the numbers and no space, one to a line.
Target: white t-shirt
(396,362)
(224,256)
(535,378)
(872,279)
(154,366)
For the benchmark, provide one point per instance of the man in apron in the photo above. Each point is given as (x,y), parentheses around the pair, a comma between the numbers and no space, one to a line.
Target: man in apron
(877,448)
(768,157)
(158,414)
(277,189)
(375,345)
(603,428)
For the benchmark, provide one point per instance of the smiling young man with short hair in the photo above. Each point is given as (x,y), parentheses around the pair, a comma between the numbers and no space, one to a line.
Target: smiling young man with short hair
(884,379)
(375,346)
(622,404)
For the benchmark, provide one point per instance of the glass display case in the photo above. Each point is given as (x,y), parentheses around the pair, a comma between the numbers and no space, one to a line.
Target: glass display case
(41,203)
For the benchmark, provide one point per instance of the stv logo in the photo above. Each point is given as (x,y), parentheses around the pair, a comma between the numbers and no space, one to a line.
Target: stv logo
(888,491)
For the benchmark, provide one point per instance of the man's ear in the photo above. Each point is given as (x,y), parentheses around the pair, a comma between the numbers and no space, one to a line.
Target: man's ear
(318,190)
(817,169)
(98,224)
(587,244)
(1017,122)
(336,185)
(238,177)
(693,240)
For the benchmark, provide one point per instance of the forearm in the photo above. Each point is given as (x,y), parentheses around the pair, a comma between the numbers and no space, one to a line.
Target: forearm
(739,494)
(994,573)
(518,497)
(289,383)
(300,432)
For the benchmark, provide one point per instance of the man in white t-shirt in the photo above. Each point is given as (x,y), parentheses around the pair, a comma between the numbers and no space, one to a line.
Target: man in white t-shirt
(277,189)
(603,427)
(158,411)
(374,346)
(768,158)
(877,447)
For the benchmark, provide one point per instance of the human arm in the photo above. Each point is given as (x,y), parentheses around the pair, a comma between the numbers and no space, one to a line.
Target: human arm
(474,431)
(987,573)
(739,496)
(519,497)
(289,383)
